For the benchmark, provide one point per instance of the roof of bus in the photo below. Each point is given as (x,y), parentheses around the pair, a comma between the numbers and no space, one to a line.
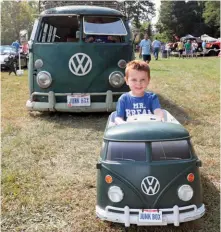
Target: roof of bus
(146,131)
(82,10)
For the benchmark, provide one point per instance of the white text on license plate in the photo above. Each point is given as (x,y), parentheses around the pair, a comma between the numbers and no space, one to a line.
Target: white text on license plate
(150,215)
(79,100)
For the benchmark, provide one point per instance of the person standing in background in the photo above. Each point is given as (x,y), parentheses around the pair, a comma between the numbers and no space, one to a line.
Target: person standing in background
(145,49)
(194,48)
(204,47)
(156,48)
(16,44)
(187,46)
(180,48)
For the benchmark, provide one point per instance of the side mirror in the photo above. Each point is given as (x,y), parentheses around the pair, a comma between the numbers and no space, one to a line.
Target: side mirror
(199,163)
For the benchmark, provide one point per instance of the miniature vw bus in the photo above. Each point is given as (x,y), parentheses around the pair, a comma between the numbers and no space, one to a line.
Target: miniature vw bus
(148,173)
(70,72)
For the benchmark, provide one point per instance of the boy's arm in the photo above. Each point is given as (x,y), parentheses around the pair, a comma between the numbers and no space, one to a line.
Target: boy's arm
(159,113)
(119,120)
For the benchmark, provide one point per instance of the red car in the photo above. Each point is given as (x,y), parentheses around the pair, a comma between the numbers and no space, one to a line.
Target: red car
(213,45)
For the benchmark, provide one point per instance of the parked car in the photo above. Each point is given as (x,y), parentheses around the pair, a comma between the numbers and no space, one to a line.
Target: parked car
(213,48)
(6,51)
(148,173)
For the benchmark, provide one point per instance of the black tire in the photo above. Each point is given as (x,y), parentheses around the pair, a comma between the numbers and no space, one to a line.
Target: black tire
(212,53)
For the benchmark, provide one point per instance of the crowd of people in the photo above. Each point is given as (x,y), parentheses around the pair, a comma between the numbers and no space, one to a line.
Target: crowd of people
(188,48)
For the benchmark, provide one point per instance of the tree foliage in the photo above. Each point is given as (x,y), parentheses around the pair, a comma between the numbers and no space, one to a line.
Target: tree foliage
(211,16)
(16,16)
(188,17)
(136,11)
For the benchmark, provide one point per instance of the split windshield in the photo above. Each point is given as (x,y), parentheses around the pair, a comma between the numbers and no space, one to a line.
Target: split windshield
(137,151)
(67,28)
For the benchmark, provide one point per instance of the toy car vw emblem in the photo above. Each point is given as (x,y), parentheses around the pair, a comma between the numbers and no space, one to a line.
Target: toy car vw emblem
(150,185)
(80,64)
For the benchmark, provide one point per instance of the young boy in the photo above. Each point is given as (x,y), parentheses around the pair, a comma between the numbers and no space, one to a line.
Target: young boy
(137,101)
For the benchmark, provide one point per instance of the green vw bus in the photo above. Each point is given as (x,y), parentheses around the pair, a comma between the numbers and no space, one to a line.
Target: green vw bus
(77,59)
(148,173)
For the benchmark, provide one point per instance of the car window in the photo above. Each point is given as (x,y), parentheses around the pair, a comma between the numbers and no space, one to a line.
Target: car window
(170,150)
(58,29)
(104,26)
(8,50)
(125,151)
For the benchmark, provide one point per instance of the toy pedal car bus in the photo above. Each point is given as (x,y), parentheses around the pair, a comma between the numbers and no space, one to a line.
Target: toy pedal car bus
(69,71)
(148,173)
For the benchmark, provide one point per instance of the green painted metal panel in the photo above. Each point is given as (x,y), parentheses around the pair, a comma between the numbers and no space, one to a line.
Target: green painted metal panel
(104,58)
(129,175)
(146,131)
(82,10)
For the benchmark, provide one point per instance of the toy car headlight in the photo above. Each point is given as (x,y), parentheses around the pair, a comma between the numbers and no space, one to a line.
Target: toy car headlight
(116,79)
(185,192)
(115,194)
(6,59)
(44,79)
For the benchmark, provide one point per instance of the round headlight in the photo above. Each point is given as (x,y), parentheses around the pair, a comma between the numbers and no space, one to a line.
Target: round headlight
(115,194)
(185,192)
(44,79)
(6,59)
(116,79)
(38,63)
(122,63)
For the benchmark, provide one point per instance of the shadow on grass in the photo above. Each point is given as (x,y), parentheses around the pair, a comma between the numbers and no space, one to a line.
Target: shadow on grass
(98,120)
(210,222)
(178,112)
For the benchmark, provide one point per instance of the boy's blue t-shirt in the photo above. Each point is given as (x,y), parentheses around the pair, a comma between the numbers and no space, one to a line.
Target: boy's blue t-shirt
(129,105)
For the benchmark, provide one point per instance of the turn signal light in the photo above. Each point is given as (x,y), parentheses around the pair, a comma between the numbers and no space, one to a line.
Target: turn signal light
(190,177)
(108,179)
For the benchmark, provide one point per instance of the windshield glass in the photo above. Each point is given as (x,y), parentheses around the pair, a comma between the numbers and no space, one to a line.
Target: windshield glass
(104,26)
(7,50)
(170,150)
(124,151)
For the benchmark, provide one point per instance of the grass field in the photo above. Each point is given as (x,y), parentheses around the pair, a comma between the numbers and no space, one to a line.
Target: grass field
(48,161)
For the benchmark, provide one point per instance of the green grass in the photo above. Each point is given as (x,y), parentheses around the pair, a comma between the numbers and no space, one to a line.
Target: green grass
(48,161)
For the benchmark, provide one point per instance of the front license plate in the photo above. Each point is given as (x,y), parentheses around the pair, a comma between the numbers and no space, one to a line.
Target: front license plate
(150,215)
(79,100)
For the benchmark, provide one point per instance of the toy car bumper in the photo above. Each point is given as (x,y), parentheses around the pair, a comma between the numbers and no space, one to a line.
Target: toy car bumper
(129,216)
(107,106)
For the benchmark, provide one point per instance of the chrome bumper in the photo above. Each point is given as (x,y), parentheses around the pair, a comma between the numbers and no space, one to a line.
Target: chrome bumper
(125,216)
(52,105)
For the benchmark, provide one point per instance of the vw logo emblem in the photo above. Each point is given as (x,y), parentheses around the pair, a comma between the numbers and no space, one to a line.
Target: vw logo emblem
(80,64)
(150,185)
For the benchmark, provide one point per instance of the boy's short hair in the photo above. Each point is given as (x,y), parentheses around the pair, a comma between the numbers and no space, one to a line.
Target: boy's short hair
(138,65)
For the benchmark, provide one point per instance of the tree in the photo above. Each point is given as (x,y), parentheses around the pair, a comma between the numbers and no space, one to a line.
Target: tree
(167,20)
(211,15)
(187,17)
(16,16)
(134,10)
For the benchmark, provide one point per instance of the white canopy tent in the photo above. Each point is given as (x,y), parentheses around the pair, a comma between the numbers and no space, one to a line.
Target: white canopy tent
(190,37)
(207,38)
